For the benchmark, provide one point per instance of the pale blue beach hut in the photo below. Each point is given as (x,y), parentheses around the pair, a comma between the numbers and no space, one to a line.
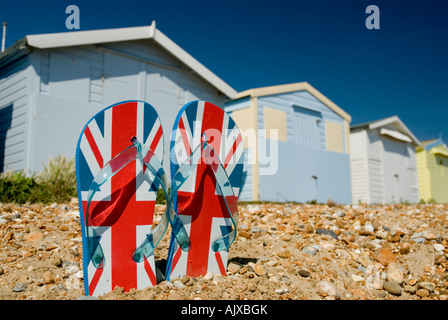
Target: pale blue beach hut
(297,143)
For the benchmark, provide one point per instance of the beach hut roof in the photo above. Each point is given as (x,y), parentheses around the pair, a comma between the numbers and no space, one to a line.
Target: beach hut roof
(78,38)
(404,134)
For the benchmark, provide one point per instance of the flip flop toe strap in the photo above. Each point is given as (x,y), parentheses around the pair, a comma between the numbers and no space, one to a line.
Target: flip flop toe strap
(185,170)
(140,152)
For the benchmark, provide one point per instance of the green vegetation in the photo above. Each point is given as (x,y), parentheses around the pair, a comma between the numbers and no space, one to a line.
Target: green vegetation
(56,183)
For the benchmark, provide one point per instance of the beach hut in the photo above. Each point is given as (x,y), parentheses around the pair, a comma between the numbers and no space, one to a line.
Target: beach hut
(432,161)
(297,144)
(383,162)
(52,84)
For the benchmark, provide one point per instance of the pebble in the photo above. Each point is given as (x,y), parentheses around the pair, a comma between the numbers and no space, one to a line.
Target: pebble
(34,236)
(327,232)
(410,289)
(392,287)
(385,256)
(48,277)
(19,287)
(426,285)
(327,288)
(439,247)
(310,250)
(284,254)
(233,268)
(369,227)
(281,291)
(178,284)
(259,270)
(304,273)
(405,248)
(357,278)
(209,275)
(394,273)
(422,293)
(374,280)
(381,234)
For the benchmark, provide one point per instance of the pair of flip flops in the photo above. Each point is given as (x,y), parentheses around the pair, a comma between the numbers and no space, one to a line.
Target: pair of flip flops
(119,172)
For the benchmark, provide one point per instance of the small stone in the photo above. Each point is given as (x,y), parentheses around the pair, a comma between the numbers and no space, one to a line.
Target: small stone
(48,277)
(426,285)
(327,232)
(357,278)
(422,293)
(259,270)
(209,275)
(2,271)
(304,273)
(310,250)
(374,281)
(281,291)
(405,248)
(327,288)
(381,234)
(285,254)
(385,256)
(369,227)
(394,273)
(439,247)
(57,262)
(173,295)
(429,236)
(410,289)
(286,237)
(392,287)
(244,234)
(396,237)
(178,284)
(233,268)
(34,236)
(19,287)
(185,279)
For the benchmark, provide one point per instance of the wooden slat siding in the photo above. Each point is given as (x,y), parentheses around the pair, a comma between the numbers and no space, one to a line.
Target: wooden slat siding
(411,177)
(359,181)
(13,114)
(376,181)
(88,54)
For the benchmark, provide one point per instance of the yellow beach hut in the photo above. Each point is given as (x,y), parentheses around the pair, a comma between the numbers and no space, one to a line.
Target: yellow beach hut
(432,162)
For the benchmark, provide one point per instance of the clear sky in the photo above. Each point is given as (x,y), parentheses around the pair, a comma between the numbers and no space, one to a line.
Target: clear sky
(400,69)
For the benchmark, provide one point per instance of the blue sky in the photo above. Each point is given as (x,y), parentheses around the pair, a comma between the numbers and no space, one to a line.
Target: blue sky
(400,69)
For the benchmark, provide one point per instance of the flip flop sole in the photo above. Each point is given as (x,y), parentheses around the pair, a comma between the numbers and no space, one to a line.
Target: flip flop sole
(200,206)
(121,212)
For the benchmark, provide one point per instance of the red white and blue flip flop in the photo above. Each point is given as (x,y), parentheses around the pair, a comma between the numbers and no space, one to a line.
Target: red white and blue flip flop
(118,174)
(206,158)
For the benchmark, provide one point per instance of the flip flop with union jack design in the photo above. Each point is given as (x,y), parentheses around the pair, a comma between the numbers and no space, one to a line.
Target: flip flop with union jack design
(206,157)
(118,174)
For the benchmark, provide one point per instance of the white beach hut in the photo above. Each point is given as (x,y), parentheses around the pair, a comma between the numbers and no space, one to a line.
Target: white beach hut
(383,162)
